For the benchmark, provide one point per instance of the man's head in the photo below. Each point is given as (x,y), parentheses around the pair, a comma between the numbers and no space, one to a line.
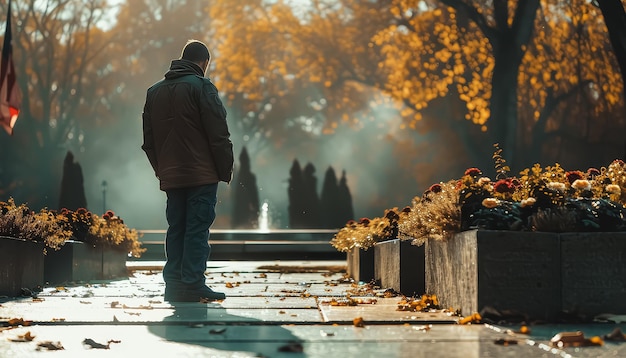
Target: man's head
(197,52)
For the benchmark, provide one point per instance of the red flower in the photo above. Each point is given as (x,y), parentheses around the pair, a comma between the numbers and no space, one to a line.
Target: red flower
(435,188)
(618,161)
(81,211)
(504,186)
(473,172)
(406,209)
(592,173)
(574,175)
(364,221)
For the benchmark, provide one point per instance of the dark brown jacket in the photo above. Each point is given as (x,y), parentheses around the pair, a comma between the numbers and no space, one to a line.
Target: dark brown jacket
(185,134)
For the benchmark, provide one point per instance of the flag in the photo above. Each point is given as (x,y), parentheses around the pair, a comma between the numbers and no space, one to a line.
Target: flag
(10,93)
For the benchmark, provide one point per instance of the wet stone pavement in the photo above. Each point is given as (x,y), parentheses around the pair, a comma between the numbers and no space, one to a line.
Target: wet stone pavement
(272,309)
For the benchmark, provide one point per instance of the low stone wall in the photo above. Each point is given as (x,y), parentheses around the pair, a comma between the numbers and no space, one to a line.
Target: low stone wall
(361,264)
(533,273)
(400,266)
(21,266)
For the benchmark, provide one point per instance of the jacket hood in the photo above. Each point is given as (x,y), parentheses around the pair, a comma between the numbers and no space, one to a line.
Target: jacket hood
(180,68)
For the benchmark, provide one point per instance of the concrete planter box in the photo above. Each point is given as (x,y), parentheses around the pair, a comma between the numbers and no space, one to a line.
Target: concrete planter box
(400,266)
(77,261)
(114,264)
(507,270)
(21,266)
(593,272)
(361,264)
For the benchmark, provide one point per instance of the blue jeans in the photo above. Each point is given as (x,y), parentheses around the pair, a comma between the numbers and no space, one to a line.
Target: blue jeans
(190,213)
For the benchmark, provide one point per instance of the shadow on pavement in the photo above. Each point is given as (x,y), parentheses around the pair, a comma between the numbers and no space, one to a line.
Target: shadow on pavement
(211,326)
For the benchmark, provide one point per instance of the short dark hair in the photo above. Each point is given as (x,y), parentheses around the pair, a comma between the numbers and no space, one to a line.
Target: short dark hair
(195,51)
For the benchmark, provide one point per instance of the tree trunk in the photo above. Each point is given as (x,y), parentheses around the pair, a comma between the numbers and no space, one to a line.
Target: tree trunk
(615,20)
(503,105)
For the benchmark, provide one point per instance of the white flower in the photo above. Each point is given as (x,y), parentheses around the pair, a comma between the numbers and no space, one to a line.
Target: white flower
(484,180)
(554,185)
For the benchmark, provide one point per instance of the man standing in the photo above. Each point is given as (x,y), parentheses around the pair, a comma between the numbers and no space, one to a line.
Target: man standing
(187,142)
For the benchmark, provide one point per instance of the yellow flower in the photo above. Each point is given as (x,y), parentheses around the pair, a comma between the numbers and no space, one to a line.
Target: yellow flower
(490,203)
(528,202)
(581,184)
(613,189)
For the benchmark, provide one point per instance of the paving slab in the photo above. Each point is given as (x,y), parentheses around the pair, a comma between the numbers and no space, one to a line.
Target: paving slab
(285,311)
(267,341)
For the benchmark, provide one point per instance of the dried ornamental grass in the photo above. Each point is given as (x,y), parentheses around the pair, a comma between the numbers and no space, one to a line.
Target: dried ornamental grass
(45,226)
(53,228)
(435,215)
(367,232)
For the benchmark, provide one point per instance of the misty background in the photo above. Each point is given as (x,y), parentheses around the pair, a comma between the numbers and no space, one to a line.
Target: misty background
(399,95)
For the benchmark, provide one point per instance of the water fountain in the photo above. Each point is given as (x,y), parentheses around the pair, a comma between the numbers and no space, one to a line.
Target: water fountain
(264,217)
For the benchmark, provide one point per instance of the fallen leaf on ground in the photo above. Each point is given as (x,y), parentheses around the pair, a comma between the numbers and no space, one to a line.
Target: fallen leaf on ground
(616,335)
(423,328)
(473,318)
(303,269)
(140,307)
(358,322)
(49,345)
(426,302)
(18,322)
(574,339)
(90,343)
(26,337)
(506,342)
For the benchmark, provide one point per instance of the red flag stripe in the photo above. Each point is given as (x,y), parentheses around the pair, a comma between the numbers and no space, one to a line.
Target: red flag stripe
(10,93)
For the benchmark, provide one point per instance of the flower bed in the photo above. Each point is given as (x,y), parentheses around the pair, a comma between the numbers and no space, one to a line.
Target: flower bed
(104,242)
(574,208)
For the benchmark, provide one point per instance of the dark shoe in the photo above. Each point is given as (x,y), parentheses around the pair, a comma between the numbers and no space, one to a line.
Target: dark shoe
(172,291)
(192,295)
(207,294)
(170,294)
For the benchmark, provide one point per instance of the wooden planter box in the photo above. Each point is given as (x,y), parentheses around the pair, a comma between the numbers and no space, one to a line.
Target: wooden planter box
(77,261)
(400,266)
(361,264)
(21,266)
(507,270)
